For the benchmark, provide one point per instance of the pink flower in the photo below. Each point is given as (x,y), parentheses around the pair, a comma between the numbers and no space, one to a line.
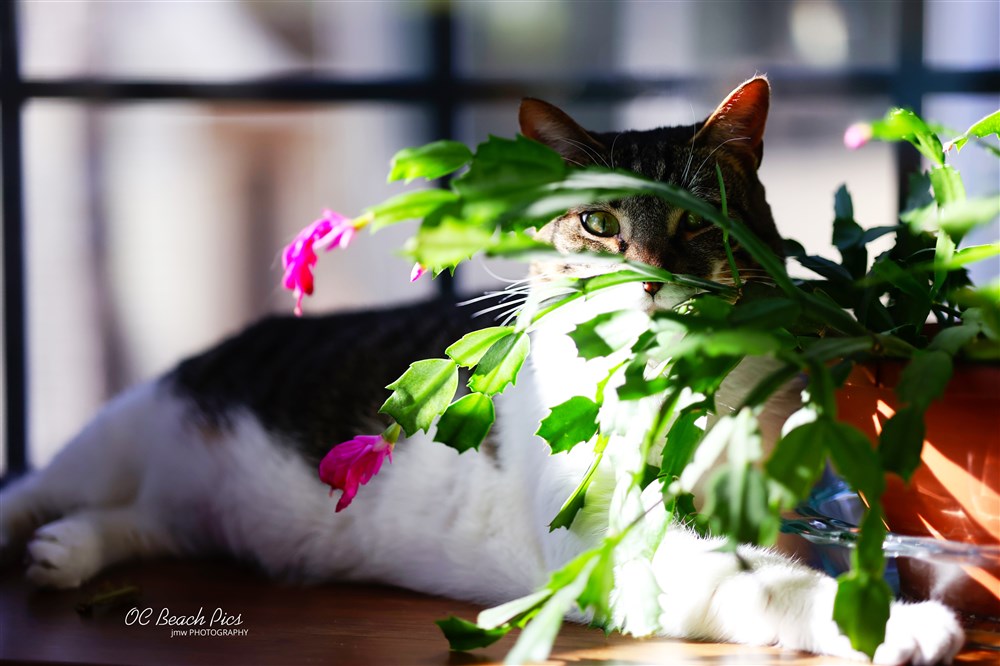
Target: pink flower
(355,462)
(331,230)
(857,135)
(417,271)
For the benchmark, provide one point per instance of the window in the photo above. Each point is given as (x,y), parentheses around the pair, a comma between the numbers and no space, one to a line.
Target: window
(166,151)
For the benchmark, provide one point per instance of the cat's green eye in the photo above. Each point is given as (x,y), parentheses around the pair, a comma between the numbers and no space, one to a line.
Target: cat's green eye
(690,221)
(600,223)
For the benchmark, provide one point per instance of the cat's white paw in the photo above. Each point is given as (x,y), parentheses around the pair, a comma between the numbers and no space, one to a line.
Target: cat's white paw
(63,554)
(920,633)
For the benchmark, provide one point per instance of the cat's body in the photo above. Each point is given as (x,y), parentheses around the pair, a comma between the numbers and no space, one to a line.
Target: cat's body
(221,454)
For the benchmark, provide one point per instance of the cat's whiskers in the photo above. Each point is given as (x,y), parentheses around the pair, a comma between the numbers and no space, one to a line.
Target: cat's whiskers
(613,142)
(587,150)
(485,297)
(515,306)
(690,159)
(726,270)
(493,275)
(541,294)
(714,150)
(520,301)
(512,298)
(511,316)
(697,190)
(729,281)
(728,267)
(503,294)
(505,318)
(725,275)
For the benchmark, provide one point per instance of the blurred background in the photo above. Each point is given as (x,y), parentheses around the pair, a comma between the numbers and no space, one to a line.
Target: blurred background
(170,149)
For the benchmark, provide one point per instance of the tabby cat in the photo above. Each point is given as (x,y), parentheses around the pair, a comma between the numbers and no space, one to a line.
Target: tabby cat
(221,453)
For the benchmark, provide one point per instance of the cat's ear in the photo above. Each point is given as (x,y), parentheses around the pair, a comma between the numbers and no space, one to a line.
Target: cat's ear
(739,121)
(549,125)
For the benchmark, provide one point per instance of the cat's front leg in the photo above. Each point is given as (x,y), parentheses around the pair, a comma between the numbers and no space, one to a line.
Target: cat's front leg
(771,600)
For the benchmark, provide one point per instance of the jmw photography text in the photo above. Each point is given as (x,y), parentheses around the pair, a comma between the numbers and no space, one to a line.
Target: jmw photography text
(220,623)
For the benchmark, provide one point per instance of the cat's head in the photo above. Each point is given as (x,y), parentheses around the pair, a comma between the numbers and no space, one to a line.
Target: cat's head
(645,228)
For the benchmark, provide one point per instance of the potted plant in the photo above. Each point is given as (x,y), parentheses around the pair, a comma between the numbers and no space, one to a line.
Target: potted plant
(949,488)
(668,366)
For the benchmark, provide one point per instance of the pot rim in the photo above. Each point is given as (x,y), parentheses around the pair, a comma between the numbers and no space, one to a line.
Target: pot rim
(969,379)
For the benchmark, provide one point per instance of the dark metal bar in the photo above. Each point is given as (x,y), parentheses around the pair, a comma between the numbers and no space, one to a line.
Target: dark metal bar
(15,324)
(854,83)
(909,87)
(444,107)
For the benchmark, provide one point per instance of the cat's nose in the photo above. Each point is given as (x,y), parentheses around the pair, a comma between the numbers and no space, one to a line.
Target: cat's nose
(652,287)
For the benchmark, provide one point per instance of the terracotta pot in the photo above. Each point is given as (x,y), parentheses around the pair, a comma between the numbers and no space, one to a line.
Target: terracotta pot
(955,493)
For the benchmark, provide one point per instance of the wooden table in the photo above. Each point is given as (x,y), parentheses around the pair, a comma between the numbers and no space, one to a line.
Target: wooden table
(329,624)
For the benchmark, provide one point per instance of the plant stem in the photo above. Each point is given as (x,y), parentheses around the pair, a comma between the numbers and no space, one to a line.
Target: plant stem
(725,232)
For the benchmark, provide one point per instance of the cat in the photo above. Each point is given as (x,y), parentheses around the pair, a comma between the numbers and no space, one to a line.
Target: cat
(221,453)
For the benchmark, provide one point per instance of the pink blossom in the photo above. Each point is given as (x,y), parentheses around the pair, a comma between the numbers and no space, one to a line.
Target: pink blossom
(857,135)
(417,271)
(331,230)
(355,462)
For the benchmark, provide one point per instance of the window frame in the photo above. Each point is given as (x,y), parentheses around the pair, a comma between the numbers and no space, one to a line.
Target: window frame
(442,91)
